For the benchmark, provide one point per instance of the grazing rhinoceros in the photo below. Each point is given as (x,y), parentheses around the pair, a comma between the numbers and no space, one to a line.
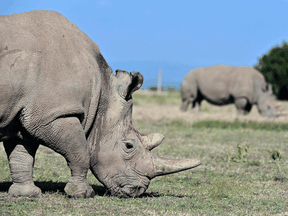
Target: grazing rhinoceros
(221,85)
(56,89)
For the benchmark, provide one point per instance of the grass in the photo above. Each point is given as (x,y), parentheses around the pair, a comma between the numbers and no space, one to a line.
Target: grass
(222,124)
(229,185)
(171,98)
(252,186)
(244,171)
(271,126)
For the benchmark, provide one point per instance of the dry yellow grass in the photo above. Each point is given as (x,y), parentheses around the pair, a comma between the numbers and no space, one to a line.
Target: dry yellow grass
(208,111)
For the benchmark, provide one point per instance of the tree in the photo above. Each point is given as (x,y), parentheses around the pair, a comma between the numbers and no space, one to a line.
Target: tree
(274,67)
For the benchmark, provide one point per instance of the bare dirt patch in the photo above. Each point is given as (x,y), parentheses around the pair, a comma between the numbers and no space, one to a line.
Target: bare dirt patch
(227,113)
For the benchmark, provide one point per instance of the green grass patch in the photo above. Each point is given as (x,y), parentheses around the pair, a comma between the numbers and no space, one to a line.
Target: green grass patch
(224,188)
(254,163)
(255,182)
(272,126)
(221,124)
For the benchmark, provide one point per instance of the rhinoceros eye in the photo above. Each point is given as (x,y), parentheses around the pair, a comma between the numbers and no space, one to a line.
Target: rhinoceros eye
(129,145)
(129,149)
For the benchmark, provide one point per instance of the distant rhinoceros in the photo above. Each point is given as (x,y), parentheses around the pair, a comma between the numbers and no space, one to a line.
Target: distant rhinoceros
(221,85)
(56,89)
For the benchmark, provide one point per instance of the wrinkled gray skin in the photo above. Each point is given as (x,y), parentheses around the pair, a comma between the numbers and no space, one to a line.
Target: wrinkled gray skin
(221,85)
(56,89)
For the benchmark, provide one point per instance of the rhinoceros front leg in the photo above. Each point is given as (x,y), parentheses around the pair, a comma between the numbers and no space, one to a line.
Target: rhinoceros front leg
(21,158)
(66,136)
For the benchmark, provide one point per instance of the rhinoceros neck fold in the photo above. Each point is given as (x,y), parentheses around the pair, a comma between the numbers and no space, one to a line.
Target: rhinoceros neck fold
(97,125)
(95,117)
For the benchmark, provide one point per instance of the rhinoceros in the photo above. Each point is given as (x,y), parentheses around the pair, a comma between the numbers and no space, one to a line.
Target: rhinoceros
(57,90)
(221,85)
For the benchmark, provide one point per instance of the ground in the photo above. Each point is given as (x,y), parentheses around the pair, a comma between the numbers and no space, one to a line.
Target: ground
(244,168)
(171,110)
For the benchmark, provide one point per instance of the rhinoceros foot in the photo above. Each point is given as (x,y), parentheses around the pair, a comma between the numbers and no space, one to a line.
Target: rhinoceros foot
(79,188)
(24,189)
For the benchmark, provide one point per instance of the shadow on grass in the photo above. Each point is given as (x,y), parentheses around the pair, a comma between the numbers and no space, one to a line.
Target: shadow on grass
(53,187)
(156,194)
(58,187)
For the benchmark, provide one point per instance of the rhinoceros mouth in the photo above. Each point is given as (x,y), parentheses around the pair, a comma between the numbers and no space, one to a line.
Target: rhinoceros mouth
(128,189)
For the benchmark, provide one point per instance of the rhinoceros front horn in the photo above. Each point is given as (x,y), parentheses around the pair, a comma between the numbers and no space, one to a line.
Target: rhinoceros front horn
(164,166)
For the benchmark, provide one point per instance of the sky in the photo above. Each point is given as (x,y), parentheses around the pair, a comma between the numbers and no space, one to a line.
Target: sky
(175,36)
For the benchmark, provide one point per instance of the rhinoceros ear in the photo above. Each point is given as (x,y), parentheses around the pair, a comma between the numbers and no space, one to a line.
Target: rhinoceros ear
(136,83)
(270,89)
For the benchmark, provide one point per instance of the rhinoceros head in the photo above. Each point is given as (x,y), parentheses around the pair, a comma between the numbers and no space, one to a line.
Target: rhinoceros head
(265,104)
(122,159)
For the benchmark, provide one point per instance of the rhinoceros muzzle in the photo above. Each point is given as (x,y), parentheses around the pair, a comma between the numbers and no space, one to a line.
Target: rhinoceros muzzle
(158,166)
(128,191)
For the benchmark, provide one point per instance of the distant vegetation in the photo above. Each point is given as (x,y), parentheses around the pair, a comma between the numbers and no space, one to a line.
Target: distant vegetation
(274,67)
(164,88)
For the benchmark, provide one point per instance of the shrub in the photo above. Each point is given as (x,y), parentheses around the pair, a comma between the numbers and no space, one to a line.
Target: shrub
(240,155)
(152,88)
(274,67)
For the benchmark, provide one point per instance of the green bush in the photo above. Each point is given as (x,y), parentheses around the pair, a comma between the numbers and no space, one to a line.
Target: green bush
(274,67)
(152,88)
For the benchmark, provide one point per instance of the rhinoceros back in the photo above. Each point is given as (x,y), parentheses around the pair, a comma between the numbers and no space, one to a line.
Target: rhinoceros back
(48,68)
(222,84)
(213,84)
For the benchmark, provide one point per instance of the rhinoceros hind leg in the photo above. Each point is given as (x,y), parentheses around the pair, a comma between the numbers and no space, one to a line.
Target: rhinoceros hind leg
(21,158)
